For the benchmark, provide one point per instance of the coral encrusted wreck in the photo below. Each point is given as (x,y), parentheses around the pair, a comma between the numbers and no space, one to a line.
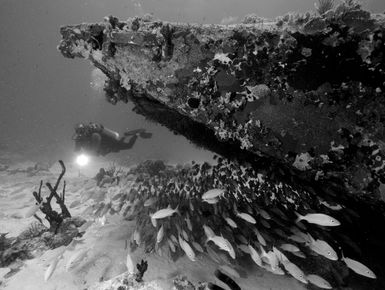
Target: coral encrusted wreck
(304,90)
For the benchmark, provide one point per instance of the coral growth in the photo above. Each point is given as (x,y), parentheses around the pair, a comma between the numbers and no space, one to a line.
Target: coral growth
(53,217)
(109,176)
(35,229)
(125,281)
(274,89)
(324,6)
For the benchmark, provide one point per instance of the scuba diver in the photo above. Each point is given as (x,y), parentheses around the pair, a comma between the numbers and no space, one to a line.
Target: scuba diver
(96,139)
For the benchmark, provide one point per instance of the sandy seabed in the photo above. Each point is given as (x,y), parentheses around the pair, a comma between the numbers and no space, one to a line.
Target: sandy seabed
(106,245)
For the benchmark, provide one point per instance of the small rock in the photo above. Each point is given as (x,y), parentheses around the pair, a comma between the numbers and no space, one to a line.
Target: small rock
(181,283)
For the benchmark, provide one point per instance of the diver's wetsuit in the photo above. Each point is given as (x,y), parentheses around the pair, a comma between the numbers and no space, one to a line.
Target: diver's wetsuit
(104,145)
(96,139)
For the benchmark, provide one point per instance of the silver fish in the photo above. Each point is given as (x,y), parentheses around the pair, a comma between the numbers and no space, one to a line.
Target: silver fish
(165,212)
(264,214)
(289,248)
(294,229)
(297,238)
(318,281)
(160,235)
(299,254)
(278,222)
(276,271)
(301,226)
(223,244)
(261,240)
(197,247)
(242,239)
(189,225)
(319,219)
(265,224)
(173,238)
(159,250)
(171,245)
(208,231)
(229,270)
(178,229)
(280,233)
(231,223)
(48,273)
(279,213)
(295,272)
(187,249)
(255,256)
(216,212)
(246,217)
(130,264)
(76,258)
(213,193)
(149,202)
(185,236)
(211,201)
(270,257)
(322,248)
(191,207)
(244,248)
(359,268)
(332,207)
(136,237)
(280,256)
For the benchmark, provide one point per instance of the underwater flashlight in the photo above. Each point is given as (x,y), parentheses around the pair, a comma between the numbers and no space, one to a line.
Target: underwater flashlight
(82,160)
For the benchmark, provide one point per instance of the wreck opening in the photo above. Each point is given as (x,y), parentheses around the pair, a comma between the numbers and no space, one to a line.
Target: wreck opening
(96,37)
(197,133)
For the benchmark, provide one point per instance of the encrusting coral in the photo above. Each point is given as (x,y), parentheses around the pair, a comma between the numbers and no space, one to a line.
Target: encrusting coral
(278,89)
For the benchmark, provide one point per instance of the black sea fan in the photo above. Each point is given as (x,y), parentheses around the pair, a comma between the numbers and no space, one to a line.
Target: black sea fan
(324,5)
(142,268)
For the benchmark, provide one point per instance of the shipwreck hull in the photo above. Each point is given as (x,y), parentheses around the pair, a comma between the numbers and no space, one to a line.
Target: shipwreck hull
(305,92)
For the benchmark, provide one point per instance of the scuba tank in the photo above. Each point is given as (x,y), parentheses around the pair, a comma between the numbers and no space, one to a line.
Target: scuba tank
(109,133)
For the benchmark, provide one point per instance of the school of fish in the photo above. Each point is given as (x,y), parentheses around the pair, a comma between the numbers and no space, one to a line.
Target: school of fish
(198,211)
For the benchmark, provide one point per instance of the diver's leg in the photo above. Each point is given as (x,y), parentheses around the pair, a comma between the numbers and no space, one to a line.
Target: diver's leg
(133,132)
(96,140)
(129,144)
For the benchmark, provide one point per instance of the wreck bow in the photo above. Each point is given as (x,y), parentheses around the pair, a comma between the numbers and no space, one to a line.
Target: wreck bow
(305,90)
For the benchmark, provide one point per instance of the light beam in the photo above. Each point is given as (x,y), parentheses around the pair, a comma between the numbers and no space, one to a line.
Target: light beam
(82,160)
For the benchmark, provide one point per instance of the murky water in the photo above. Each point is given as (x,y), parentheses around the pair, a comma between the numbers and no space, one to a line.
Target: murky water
(189,214)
